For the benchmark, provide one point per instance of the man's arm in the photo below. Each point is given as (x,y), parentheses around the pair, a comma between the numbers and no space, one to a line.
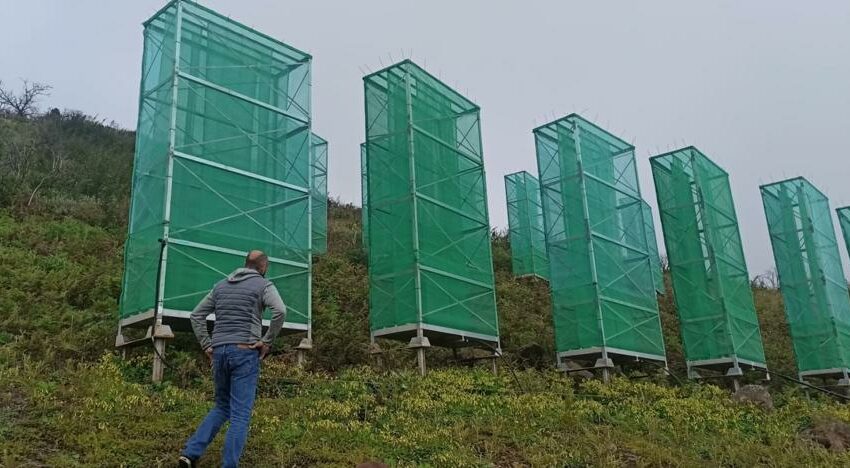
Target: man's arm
(272,300)
(199,320)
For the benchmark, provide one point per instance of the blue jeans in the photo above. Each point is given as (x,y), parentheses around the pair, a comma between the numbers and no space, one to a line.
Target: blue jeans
(235,371)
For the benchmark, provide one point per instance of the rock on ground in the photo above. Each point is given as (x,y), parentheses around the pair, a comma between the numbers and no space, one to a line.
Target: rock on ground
(754,394)
(831,434)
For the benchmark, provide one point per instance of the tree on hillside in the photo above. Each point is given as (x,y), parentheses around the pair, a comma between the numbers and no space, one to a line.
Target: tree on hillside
(53,160)
(27,161)
(23,104)
(64,163)
(767,280)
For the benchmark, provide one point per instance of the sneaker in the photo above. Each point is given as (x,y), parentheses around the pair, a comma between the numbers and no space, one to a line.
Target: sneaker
(185,462)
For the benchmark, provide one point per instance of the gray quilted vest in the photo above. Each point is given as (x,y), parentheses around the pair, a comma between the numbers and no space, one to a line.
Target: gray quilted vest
(239,308)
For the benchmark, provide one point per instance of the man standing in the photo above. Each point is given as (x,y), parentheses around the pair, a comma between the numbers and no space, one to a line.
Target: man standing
(235,350)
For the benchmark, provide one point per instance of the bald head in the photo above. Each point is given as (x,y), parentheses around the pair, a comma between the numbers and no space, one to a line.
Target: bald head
(257,260)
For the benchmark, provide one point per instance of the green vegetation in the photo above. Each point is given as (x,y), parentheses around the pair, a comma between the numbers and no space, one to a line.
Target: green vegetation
(67,399)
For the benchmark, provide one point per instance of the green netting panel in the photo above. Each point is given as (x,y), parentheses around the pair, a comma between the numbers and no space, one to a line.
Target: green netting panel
(430,261)
(222,162)
(844,222)
(652,246)
(811,277)
(601,264)
(364,197)
(711,284)
(525,225)
(319,157)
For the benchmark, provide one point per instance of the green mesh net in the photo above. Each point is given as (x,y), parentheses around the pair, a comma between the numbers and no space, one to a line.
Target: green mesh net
(711,284)
(602,266)
(222,163)
(652,248)
(844,222)
(811,277)
(525,226)
(430,263)
(319,158)
(364,197)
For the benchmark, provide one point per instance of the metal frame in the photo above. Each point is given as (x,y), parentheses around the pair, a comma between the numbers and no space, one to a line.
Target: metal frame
(841,373)
(689,220)
(652,245)
(525,219)
(570,178)
(844,222)
(605,353)
(415,133)
(178,319)
(732,368)
(319,190)
(161,317)
(805,250)
(462,335)
(364,198)
(843,214)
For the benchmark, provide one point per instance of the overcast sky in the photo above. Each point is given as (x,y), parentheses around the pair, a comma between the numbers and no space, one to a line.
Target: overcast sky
(762,87)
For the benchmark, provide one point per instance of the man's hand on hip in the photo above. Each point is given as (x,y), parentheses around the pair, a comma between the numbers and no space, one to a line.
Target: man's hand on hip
(262,347)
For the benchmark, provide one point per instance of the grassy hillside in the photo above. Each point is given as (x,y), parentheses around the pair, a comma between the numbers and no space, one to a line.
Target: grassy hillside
(66,399)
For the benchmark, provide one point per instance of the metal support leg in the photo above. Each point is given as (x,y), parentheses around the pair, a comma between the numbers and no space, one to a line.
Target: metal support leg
(158,360)
(420,358)
(120,340)
(160,334)
(735,372)
(303,347)
(692,373)
(606,364)
(419,343)
(803,388)
(844,382)
(845,377)
(376,352)
(495,368)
